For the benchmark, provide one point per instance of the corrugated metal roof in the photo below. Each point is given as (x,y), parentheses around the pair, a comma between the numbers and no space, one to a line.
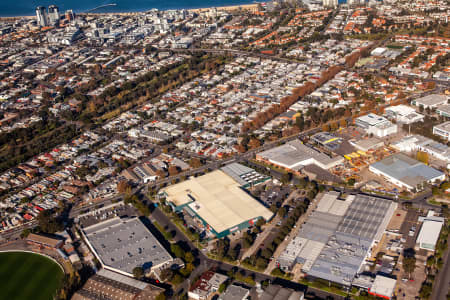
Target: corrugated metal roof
(406,169)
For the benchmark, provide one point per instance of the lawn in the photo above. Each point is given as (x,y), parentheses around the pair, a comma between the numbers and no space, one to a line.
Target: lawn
(25,276)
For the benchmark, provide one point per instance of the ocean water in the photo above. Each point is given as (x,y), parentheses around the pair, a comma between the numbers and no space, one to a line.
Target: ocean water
(10,8)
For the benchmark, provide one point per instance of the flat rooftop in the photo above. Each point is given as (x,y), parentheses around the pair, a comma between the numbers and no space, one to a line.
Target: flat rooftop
(405,169)
(444,126)
(368,143)
(445,108)
(372,119)
(383,286)
(429,233)
(123,244)
(316,231)
(343,254)
(243,175)
(364,217)
(218,199)
(295,154)
(431,100)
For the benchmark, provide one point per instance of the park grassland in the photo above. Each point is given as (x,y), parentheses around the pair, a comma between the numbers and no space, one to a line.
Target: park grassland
(26,276)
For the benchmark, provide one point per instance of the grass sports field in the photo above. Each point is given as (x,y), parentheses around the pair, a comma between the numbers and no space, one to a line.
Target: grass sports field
(27,276)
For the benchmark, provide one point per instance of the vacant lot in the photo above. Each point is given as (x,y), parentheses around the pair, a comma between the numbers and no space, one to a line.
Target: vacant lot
(26,276)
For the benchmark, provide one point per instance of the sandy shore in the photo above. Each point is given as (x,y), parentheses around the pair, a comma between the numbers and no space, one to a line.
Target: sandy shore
(16,18)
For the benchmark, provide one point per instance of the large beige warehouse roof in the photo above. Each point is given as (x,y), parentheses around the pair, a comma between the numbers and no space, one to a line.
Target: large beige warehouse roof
(219,200)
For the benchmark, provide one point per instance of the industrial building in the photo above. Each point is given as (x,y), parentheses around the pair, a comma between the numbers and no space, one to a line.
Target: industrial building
(376,125)
(405,172)
(314,234)
(383,287)
(367,144)
(294,155)
(113,286)
(337,238)
(332,143)
(44,241)
(442,130)
(404,114)
(121,244)
(218,201)
(443,110)
(361,227)
(245,176)
(430,101)
(429,232)
(327,140)
(420,143)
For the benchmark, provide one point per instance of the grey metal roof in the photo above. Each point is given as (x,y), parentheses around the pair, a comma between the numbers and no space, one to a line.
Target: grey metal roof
(293,153)
(242,174)
(276,292)
(406,169)
(124,244)
(234,292)
(432,99)
(123,279)
(345,251)
(364,216)
(319,227)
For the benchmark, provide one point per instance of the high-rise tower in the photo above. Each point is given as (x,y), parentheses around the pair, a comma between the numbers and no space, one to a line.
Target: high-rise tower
(53,14)
(41,15)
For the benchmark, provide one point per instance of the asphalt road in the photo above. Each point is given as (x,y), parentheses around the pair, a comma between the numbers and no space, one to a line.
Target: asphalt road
(206,263)
(442,282)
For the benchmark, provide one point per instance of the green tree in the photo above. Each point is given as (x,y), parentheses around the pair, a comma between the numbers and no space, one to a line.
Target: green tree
(138,272)
(425,290)
(177,279)
(286,178)
(351,182)
(409,264)
(177,250)
(282,212)
(187,270)
(278,272)
(166,274)
(25,233)
(195,163)
(48,223)
(189,257)
(222,287)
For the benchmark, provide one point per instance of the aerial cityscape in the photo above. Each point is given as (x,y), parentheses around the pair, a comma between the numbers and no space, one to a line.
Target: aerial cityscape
(294,149)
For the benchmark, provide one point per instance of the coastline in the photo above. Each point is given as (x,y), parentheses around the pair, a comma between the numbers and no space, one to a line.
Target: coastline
(250,7)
